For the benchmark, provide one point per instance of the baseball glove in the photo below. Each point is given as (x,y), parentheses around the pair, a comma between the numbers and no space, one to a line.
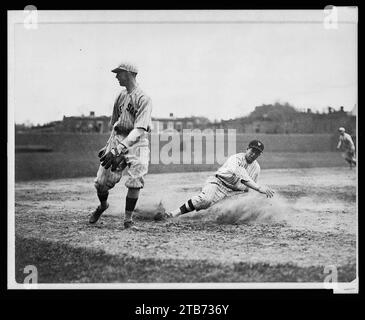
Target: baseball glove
(112,159)
(119,161)
(101,152)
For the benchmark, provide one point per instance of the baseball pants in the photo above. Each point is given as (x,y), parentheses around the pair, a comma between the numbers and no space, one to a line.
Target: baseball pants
(137,167)
(349,156)
(213,191)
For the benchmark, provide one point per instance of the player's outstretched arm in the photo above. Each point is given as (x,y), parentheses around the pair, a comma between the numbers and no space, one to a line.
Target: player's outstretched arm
(130,140)
(266,190)
(261,189)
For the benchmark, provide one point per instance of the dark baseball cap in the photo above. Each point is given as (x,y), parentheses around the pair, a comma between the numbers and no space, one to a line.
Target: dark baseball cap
(256,144)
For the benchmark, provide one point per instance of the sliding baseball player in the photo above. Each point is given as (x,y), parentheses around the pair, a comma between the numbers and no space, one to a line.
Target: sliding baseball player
(238,174)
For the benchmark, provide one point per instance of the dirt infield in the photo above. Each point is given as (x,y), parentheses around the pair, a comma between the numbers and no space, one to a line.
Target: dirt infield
(310,223)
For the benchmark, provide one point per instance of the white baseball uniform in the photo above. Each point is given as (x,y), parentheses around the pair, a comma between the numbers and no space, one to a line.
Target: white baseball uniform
(345,140)
(131,110)
(227,181)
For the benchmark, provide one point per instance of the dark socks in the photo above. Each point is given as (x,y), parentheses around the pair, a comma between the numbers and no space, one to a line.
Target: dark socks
(103,197)
(187,207)
(130,204)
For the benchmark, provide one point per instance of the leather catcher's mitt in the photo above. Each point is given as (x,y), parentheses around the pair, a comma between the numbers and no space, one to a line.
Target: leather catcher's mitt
(112,159)
(119,161)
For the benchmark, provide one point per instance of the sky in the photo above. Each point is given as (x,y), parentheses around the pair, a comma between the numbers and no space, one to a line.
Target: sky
(217,70)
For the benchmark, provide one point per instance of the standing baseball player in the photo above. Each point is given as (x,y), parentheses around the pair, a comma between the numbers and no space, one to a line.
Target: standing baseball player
(127,149)
(239,173)
(348,145)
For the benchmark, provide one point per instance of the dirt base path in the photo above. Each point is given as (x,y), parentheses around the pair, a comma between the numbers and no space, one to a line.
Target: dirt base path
(310,223)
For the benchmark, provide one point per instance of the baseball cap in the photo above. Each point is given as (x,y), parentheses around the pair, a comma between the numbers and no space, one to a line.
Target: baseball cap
(256,144)
(341,129)
(127,67)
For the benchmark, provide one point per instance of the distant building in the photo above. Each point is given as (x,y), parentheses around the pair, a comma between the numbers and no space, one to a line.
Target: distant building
(272,120)
(88,124)
(21,128)
(179,124)
(280,119)
(78,124)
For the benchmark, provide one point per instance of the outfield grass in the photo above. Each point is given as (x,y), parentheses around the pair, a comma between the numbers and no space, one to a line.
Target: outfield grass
(56,165)
(83,143)
(73,266)
(75,155)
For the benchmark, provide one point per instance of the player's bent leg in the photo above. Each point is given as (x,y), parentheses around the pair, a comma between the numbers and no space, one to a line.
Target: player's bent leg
(201,201)
(137,161)
(210,194)
(164,215)
(134,185)
(130,204)
(104,181)
(95,215)
(353,159)
(185,208)
(350,158)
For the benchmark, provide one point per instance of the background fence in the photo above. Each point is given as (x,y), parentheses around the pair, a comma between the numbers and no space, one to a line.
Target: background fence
(88,142)
(75,155)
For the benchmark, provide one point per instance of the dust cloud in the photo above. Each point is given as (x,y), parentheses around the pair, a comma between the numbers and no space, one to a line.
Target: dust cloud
(249,208)
(252,207)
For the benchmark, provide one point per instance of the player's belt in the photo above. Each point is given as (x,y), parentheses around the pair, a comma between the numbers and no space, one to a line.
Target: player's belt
(227,184)
(224,182)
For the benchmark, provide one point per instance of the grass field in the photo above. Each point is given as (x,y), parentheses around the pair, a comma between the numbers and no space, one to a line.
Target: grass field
(75,155)
(59,165)
(84,143)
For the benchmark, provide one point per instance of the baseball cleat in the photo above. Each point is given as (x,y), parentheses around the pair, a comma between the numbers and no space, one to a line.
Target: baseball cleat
(97,213)
(129,224)
(162,216)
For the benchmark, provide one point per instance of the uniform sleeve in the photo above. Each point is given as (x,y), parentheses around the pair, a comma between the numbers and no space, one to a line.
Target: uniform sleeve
(231,172)
(115,114)
(339,143)
(236,169)
(226,172)
(243,174)
(143,116)
(253,177)
(230,164)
